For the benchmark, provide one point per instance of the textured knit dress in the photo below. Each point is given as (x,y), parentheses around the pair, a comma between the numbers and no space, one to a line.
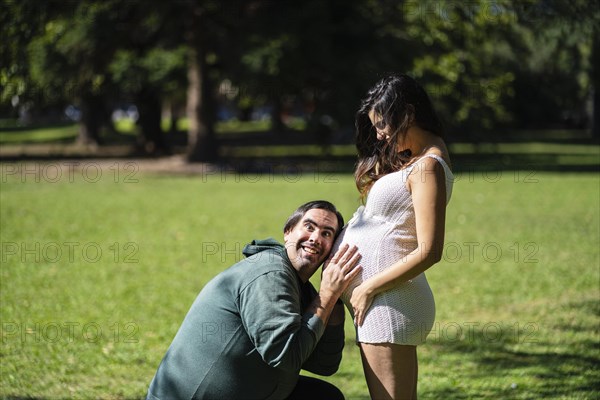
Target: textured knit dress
(384,231)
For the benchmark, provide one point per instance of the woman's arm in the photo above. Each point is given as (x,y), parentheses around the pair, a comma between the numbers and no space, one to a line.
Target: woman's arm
(427,183)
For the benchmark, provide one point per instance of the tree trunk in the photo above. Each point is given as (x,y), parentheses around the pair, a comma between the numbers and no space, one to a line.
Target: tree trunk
(202,143)
(277,125)
(174,115)
(92,110)
(151,139)
(595,56)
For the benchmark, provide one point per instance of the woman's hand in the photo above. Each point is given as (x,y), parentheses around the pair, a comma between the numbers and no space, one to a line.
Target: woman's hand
(361,299)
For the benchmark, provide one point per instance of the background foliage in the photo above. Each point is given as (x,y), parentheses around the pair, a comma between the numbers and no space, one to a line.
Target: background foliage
(487,64)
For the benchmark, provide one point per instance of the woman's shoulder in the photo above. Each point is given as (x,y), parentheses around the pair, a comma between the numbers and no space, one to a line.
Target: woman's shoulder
(430,160)
(430,164)
(435,157)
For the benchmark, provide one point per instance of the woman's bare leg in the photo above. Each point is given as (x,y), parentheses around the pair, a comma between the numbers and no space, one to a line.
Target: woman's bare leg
(391,370)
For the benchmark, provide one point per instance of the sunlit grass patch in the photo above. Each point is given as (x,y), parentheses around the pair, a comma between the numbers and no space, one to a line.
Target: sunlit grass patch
(97,275)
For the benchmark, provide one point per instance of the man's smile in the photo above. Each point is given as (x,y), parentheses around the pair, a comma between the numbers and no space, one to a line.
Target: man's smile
(310,249)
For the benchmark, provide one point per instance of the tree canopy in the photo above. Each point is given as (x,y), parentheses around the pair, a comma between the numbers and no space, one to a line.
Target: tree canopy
(486,64)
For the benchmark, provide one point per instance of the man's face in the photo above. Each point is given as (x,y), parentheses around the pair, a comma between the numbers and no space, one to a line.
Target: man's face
(309,242)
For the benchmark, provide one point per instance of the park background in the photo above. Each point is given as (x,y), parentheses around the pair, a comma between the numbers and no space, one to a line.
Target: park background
(143,143)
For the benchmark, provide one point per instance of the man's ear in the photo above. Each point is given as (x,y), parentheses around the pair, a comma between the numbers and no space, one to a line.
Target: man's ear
(285,236)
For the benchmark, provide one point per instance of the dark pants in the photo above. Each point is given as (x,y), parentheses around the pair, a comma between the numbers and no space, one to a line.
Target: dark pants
(315,389)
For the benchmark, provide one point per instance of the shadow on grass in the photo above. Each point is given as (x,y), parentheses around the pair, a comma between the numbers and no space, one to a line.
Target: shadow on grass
(23,398)
(481,157)
(554,162)
(471,163)
(562,366)
(303,152)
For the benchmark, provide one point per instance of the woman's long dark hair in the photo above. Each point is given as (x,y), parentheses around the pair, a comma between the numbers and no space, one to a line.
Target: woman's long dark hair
(401,102)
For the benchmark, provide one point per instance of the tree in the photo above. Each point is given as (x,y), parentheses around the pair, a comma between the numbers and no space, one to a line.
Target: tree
(149,67)
(21,22)
(486,64)
(555,79)
(147,77)
(595,56)
(70,57)
(325,53)
(202,144)
(505,63)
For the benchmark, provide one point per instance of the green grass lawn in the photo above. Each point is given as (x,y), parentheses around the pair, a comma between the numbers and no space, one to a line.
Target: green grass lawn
(99,271)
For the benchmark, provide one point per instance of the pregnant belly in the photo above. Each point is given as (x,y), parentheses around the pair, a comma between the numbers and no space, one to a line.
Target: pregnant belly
(379,247)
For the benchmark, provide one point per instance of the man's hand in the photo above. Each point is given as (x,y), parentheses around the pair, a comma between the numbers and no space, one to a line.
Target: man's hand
(340,270)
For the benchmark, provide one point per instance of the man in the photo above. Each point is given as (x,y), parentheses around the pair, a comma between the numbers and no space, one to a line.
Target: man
(255,325)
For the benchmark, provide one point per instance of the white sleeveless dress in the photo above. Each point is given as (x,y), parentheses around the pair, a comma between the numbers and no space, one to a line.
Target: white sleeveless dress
(384,231)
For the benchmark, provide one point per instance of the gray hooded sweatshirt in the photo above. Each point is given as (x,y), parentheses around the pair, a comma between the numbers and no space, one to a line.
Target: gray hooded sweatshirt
(247,336)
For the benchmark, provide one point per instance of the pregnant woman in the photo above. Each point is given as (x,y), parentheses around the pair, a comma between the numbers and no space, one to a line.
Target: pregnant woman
(403,167)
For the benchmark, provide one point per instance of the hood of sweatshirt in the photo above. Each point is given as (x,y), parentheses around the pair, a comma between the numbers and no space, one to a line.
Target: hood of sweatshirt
(257,246)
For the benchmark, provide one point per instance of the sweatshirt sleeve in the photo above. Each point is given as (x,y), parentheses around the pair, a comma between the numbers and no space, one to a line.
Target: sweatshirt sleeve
(327,356)
(270,311)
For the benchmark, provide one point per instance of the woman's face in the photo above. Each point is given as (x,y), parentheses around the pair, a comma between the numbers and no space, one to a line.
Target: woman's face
(383,130)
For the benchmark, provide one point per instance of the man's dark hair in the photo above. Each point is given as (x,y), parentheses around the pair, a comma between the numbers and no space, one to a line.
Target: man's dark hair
(319,204)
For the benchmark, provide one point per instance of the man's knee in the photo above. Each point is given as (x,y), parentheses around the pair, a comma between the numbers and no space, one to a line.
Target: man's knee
(315,389)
